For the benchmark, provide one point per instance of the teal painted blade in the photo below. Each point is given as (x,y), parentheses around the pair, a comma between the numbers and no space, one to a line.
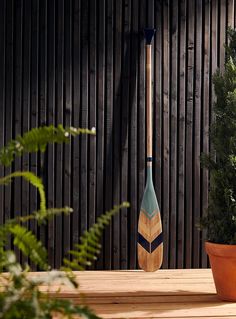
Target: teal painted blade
(149,202)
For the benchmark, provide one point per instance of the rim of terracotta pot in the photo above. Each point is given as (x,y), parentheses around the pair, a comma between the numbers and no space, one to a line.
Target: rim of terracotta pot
(222,250)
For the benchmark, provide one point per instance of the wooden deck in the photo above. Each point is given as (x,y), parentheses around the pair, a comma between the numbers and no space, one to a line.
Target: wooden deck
(163,294)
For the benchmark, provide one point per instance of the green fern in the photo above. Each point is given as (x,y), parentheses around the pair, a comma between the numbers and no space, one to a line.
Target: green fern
(29,245)
(37,139)
(89,247)
(34,180)
(20,295)
(47,215)
(25,240)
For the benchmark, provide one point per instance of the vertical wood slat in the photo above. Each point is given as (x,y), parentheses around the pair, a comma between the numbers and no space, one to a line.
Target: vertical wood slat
(222,31)
(2,96)
(51,120)
(157,105)
(181,135)
(234,17)
(83,64)
(116,133)
(17,111)
(189,134)
(108,130)
(59,120)
(92,112)
(84,116)
(76,121)
(133,139)
(173,131)
(43,105)
(8,118)
(230,13)
(196,134)
(9,97)
(27,99)
(67,110)
(100,117)
(141,106)
(33,107)
(125,105)
(205,108)
(165,135)
(215,10)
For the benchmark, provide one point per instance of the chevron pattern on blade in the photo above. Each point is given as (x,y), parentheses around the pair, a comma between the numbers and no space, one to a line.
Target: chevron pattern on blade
(150,241)
(144,243)
(150,215)
(149,228)
(156,242)
(150,247)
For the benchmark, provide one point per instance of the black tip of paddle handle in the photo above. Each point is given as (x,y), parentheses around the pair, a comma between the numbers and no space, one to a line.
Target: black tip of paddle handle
(149,33)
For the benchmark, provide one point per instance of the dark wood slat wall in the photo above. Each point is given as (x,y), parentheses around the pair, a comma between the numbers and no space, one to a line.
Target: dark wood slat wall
(51,119)
(197,133)
(181,136)
(18,98)
(59,119)
(173,131)
(2,94)
(117,129)
(82,63)
(31,83)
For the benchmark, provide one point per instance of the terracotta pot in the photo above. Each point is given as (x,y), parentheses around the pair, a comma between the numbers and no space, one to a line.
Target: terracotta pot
(223,265)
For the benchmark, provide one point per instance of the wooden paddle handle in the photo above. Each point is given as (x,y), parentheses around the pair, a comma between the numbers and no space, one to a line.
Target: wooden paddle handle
(149,99)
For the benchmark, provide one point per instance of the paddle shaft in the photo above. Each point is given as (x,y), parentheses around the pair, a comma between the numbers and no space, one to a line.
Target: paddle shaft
(149,100)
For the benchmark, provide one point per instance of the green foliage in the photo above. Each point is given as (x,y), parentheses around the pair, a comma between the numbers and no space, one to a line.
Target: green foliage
(89,247)
(29,245)
(22,298)
(34,180)
(43,217)
(220,219)
(20,294)
(37,139)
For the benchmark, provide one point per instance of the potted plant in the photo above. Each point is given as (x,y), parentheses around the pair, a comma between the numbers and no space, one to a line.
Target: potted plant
(220,218)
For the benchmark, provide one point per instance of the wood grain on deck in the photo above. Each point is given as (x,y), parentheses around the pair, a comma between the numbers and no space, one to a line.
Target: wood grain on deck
(163,294)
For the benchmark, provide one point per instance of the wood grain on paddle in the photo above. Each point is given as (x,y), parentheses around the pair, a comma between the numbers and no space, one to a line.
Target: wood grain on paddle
(150,239)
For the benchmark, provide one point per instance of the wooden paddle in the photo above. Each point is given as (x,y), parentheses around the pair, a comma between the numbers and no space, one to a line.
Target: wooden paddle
(150,239)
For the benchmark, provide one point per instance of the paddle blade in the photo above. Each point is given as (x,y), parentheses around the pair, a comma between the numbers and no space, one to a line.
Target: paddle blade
(150,239)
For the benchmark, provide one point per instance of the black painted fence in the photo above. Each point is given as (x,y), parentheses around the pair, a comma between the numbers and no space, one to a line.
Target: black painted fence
(82,63)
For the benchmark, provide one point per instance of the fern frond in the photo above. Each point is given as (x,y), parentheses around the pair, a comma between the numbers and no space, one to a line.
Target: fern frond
(37,139)
(29,245)
(48,214)
(32,179)
(89,242)
(6,228)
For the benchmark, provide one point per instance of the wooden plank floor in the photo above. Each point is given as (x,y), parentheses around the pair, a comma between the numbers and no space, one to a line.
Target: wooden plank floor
(163,294)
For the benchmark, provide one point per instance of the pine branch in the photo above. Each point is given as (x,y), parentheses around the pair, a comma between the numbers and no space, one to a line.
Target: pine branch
(221,214)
